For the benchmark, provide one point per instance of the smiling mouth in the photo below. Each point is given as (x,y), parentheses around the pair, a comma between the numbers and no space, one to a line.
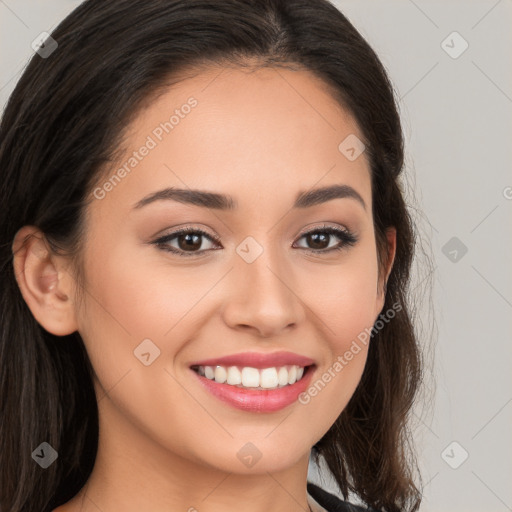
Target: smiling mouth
(247,377)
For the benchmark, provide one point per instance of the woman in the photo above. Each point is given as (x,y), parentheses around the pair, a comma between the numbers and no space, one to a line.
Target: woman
(205,259)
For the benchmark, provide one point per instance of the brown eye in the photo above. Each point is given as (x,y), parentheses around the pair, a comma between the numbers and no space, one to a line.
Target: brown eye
(318,239)
(189,242)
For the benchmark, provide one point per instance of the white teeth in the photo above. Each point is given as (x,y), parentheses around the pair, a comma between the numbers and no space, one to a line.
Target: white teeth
(220,374)
(234,376)
(208,372)
(282,376)
(292,375)
(250,377)
(268,378)
(265,378)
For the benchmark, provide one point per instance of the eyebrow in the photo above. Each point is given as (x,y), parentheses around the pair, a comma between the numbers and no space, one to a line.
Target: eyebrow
(218,201)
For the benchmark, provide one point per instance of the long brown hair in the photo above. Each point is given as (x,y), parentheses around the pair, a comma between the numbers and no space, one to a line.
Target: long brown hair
(63,123)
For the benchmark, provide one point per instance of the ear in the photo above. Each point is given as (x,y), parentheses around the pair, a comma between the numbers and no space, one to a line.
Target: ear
(44,282)
(382,284)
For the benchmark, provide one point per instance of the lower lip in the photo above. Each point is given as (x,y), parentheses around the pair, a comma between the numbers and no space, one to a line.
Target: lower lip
(257,400)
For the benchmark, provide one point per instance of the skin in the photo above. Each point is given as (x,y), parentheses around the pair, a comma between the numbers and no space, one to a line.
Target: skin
(165,443)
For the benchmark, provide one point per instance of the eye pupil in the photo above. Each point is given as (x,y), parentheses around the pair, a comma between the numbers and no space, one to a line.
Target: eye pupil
(195,243)
(319,238)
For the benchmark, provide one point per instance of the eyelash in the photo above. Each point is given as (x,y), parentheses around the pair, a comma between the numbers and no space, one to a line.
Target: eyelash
(347,238)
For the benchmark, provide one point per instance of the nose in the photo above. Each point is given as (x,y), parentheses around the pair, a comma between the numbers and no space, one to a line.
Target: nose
(264,298)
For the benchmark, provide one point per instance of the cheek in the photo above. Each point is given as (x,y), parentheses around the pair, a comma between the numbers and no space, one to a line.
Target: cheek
(128,303)
(133,297)
(354,307)
(345,298)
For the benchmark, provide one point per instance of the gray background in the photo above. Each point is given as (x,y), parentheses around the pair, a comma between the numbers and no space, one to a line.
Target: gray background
(457,122)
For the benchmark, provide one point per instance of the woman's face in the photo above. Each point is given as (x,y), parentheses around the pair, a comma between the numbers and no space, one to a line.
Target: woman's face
(252,285)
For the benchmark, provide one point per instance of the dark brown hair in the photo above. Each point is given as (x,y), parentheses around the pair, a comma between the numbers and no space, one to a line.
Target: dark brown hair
(62,125)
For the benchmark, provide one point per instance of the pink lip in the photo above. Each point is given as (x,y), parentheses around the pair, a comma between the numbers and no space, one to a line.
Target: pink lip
(257,400)
(258,360)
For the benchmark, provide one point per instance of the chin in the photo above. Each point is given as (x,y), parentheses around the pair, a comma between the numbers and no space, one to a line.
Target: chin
(257,457)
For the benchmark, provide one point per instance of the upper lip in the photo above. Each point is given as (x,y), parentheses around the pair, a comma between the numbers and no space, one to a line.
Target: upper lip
(258,360)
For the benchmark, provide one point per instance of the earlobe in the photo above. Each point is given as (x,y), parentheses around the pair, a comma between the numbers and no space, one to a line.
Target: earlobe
(43,281)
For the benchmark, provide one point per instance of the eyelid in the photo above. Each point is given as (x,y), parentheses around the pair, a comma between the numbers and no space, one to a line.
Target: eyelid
(323,225)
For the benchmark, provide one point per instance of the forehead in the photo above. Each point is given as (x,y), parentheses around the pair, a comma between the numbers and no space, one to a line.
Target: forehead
(265,131)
